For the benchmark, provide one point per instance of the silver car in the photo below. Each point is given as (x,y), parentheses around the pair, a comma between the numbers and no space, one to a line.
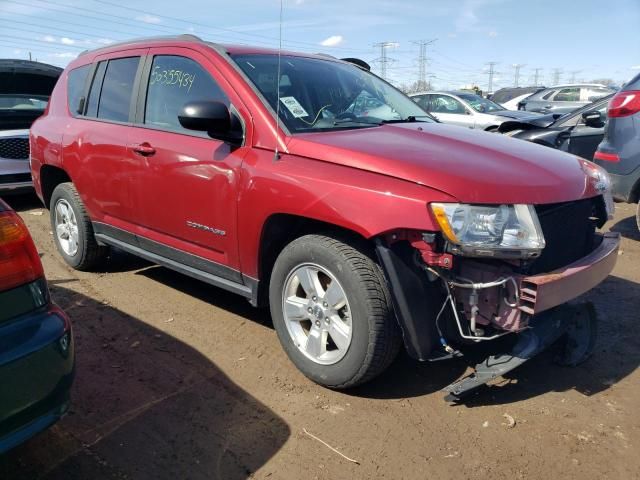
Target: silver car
(564,98)
(467,109)
(25,87)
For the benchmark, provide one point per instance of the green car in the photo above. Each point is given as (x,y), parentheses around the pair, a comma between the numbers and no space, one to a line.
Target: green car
(36,341)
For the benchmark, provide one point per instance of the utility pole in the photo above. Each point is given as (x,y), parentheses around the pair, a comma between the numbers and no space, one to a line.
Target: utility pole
(516,77)
(29,56)
(556,76)
(491,73)
(536,76)
(383,59)
(422,62)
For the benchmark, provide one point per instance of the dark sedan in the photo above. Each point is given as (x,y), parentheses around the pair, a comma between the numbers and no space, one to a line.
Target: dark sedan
(578,132)
(36,342)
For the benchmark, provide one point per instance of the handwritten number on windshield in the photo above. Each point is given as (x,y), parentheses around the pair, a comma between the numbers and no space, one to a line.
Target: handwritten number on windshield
(178,78)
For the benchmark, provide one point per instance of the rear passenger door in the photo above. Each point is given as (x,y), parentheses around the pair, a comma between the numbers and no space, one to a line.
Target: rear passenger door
(95,141)
(185,186)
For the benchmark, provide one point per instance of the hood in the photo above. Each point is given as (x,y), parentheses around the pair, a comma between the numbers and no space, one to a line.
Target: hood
(517,114)
(472,166)
(26,77)
(540,121)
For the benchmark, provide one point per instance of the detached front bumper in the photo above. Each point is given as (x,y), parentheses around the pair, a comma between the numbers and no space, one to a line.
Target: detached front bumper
(544,291)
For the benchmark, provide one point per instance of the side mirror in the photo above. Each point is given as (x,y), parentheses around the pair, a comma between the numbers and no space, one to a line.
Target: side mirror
(593,118)
(211,117)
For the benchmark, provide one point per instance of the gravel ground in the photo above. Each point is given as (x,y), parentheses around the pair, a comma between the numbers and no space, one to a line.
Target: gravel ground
(177,379)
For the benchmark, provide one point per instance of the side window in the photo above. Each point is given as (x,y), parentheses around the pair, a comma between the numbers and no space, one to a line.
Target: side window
(75,87)
(593,93)
(446,104)
(173,82)
(117,88)
(547,96)
(568,95)
(422,101)
(94,91)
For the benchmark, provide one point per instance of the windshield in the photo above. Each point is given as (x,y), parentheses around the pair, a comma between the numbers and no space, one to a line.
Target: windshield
(23,102)
(480,104)
(321,95)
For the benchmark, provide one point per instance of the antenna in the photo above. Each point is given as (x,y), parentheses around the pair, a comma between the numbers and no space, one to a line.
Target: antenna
(276,153)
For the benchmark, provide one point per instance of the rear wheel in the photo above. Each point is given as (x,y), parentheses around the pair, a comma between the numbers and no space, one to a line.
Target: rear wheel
(331,310)
(72,229)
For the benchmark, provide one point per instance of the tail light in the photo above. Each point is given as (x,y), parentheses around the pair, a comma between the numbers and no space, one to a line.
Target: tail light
(19,260)
(624,104)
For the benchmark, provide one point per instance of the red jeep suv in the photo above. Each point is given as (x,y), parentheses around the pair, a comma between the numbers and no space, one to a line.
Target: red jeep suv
(308,184)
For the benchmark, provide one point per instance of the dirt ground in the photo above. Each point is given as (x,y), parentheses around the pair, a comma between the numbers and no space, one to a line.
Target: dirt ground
(180,380)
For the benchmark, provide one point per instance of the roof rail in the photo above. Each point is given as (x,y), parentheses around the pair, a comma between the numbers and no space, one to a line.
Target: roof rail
(183,36)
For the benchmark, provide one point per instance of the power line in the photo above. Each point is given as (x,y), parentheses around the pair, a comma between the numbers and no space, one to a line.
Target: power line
(556,76)
(573,75)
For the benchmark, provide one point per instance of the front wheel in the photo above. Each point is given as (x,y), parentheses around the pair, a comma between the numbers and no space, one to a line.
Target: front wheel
(331,310)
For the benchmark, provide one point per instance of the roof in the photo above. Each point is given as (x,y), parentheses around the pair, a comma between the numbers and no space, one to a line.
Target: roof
(188,38)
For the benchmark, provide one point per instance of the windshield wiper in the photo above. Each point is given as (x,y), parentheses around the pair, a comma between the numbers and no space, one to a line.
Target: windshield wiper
(409,119)
(341,121)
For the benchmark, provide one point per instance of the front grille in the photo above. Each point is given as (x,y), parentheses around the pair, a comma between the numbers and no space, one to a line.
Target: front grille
(14,148)
(569,232)
(15,178)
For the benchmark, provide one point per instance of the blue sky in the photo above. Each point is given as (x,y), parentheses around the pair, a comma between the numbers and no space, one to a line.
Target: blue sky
(586,39)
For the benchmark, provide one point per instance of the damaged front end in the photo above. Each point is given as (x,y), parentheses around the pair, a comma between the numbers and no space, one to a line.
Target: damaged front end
(494,271)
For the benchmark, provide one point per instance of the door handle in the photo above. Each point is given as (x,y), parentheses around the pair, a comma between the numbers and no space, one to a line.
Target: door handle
(144,149)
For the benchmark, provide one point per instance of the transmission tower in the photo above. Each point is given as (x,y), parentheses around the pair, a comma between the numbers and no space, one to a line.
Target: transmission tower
(491,73)
(573,75)
(384,60)
(516,76)
(556,76)
(536,76)
(422,62)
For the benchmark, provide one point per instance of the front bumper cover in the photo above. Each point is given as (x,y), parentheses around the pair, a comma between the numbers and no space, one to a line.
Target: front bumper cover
(539,293)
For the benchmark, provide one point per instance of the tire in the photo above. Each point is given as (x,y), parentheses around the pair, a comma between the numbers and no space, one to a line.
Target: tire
(638,215)
(72,229)
(366,317)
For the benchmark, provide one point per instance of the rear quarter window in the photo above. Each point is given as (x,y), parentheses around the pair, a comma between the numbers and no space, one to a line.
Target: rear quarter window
(76,80)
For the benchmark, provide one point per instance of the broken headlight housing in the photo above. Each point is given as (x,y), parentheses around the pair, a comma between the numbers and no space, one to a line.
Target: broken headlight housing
(502,231)
(601,182)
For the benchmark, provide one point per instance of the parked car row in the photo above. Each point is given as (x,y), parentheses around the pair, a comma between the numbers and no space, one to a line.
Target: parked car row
(466,109)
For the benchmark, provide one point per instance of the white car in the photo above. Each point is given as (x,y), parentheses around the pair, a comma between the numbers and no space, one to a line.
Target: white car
(467,109)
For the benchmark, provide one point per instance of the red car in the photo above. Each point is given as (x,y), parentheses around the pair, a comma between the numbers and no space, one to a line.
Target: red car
(255,170)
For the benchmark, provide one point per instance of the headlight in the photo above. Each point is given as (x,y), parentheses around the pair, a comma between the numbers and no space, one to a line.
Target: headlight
(506,231)
(601,182)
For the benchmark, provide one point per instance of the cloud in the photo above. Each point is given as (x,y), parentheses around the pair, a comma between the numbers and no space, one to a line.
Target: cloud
(64,55)
(452,35)
(104,41)
(49,38)
(635,67)
(493,33)
(146,18)
(467,20)
(332,41)
(67,41)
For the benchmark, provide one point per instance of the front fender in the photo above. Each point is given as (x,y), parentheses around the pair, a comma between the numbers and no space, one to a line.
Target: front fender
(364,202)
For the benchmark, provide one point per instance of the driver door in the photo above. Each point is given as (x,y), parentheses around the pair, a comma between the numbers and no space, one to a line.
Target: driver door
(450,110)
(187,182)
